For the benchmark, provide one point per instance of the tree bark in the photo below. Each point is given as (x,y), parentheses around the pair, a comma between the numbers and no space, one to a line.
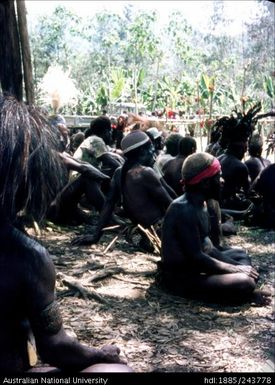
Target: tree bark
(25,49)
(10,58)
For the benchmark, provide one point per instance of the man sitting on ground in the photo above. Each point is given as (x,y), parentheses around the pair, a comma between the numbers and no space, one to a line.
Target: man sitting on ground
(86,185)
(170,149)
(191,266)
(136,185)
(172,168)
(82,187)
(172,175)
(256,163)
(96,150)
(30,175)
(235,133)
(264,185)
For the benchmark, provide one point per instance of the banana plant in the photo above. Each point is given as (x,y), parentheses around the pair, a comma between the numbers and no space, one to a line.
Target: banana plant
(269,88)
(102,96)
(118,82)
(171,89)
(87,101)
(113,90)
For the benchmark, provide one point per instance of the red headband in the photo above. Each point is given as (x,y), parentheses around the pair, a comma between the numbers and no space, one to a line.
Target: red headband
(211,170)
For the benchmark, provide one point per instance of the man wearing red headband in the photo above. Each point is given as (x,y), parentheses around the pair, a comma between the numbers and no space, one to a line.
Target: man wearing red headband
(191,266)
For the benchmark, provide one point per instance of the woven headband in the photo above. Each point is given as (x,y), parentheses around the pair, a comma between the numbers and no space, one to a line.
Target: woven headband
(211,170)
(136,145)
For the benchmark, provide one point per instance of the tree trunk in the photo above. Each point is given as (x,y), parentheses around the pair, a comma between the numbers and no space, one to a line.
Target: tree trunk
(156,87)
(135,89)
(25,49)
(10,58)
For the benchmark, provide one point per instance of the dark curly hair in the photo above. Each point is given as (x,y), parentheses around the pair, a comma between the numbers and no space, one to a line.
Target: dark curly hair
(97,125)
(236,128)
(31,170)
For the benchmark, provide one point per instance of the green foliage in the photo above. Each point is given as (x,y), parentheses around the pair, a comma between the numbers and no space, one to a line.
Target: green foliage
(269,86)
(130,58)
(118,81)
(87,102)
(102,96)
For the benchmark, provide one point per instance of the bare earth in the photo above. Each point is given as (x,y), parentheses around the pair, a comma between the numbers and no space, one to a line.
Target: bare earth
(112,298)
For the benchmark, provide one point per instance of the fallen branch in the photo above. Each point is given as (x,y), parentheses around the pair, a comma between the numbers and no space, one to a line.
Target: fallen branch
(77,286)
(105,273)
(89,266)
(153,238)
(156,237)
(113,241)
(153,259)
(110,244)
(131,281)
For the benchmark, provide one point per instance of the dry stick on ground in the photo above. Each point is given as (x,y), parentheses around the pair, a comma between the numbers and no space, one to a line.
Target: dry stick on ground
(36,229)
(110,244)
(113,241)
(157,239)
(151,235)
(132,281)
(153,259)
(111,227)
(118,270)
(87,267)
(153,238)
(77,286)
(105,273)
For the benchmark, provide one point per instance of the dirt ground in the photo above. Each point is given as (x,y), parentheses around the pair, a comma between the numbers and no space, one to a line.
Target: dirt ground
(110,297)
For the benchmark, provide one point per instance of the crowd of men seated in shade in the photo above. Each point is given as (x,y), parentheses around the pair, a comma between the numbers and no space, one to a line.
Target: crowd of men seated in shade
(142,175)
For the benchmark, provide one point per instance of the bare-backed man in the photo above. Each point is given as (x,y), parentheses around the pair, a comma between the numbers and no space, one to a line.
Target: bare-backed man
(136,185)
(191,266)
(172,168)
(30,175)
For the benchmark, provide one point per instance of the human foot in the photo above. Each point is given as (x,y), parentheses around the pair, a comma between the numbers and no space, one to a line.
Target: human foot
(261,297)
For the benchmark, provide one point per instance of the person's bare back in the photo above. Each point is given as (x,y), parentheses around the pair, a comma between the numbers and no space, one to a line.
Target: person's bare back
(18,257)
(27,274)
(191,266)
(150,199)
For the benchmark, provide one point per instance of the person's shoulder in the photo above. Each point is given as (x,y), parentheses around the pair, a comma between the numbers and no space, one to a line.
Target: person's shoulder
(180,213)
(27,252)
(31,250)
(110,155)
(162,159)
(241,165)
(148,172)
(250,160)
(269,171)
(180,205)
(167,165)
(233,162)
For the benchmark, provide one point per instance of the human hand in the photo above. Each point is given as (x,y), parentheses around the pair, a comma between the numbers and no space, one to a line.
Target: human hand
(111,354)
(248,270)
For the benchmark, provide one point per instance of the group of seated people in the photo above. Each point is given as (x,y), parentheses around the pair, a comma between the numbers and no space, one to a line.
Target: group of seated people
(175,191)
